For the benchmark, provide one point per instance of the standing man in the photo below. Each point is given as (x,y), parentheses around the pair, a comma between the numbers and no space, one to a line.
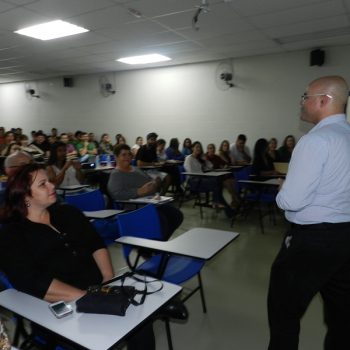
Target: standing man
(315,254)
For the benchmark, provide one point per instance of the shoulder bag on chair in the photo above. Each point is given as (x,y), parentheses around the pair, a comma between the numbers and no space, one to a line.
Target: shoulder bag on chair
(115,300)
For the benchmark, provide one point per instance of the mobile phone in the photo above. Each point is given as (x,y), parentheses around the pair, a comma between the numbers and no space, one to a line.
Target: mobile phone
(60,309)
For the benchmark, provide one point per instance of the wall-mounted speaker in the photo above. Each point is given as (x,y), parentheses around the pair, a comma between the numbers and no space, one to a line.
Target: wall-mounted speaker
(317,57)
(68,82)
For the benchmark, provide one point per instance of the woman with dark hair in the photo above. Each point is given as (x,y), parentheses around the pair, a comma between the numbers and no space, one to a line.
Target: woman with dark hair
(196,163)
(137,145)
(225,154)
(286,150)
(9,143)
(186,147)
(272,152)
(63,172)
(262,163)
(50,250)
(227,180)
(105,145)
(128,182)
(173,152)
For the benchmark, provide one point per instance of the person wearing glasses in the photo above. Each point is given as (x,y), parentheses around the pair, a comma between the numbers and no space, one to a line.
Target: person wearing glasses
(315,253)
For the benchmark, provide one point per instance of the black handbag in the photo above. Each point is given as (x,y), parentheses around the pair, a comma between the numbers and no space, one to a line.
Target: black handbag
(114,300)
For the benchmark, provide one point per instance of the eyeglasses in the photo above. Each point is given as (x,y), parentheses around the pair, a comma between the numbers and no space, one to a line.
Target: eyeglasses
(304,97)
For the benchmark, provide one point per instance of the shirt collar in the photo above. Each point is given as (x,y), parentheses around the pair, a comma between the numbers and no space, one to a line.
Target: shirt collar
(332,119)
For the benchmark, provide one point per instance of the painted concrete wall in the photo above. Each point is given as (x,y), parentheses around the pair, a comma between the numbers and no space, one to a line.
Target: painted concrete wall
(181,101)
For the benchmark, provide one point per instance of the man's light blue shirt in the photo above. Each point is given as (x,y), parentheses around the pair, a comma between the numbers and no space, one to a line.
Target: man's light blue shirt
(317,186)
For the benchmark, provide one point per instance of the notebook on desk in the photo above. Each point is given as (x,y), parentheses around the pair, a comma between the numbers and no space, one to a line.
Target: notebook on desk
(152,200)
(281,167)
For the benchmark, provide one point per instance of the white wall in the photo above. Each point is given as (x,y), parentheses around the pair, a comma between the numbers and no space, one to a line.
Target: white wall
(181,101)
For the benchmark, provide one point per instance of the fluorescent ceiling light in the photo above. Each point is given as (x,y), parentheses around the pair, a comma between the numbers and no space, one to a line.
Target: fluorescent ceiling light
(51,30)
(144,59)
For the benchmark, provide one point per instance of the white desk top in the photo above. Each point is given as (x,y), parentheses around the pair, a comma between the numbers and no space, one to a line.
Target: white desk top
(272,182)
(230,168)
(102,214)
(208,173)
(147,200)
(201,243)
(92,331)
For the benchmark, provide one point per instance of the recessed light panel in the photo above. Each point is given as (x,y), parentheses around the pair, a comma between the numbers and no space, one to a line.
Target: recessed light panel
(144,59)
(51,30)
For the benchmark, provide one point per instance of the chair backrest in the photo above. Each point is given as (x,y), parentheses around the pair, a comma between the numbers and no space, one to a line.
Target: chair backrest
(87,201)
(142,223)
(4,282)
(242,174)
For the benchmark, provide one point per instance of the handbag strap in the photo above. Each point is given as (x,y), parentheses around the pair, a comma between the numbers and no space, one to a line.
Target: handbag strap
(143,292)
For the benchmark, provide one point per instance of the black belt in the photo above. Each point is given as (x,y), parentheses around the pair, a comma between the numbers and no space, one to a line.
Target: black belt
(321,226)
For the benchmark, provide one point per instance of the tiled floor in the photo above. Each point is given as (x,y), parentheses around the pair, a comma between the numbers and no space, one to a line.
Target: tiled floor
(236,284)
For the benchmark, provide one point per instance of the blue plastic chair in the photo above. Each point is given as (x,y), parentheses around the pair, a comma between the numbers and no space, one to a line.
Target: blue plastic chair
(144,223)
(87,201)
(91,201)
(252,195)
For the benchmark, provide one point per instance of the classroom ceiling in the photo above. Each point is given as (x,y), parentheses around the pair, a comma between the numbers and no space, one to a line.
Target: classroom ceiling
(119,28)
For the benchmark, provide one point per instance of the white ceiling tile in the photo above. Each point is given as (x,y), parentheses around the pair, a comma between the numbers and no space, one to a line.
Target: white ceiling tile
(308,27)
(67,8)
(230,29)
(153,8)
(19,17)
(21,2)
(105,18)
(299,14)
(4,6)
(257,7)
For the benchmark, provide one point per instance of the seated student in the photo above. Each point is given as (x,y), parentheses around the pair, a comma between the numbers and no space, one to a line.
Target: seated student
(84,147)
(262,163)
(161,155)
(137,145)
(227,180)
(9,140)
(70,148)
(225,154)
(105,146)
(286,150)
(63,172)
(239,151)
(196,163)
(16,160)
(186,147)
(119,139)
(147,156)
(127,182)
(272,152)
(33,150)
(41,142)
(50,250)
(173,152)
(91,139)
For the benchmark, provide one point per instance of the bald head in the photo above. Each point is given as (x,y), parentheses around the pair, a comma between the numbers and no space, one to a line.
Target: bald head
(16,160)
(323,97)
(334,85)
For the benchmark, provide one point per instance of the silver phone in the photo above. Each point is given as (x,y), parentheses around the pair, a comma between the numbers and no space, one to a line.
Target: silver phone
(60,309)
